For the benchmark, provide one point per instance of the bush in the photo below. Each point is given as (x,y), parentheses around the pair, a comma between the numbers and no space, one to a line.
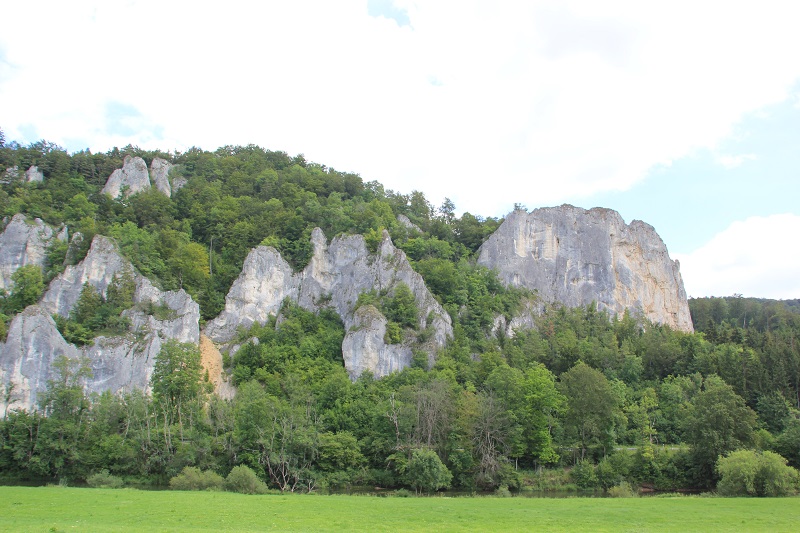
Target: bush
(583,475)
(243,480)
(623,490)
(192,478)
(104,480)
(426,472)
(502,491)
(752,473)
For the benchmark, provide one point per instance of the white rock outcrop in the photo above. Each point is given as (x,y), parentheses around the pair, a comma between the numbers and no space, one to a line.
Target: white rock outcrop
(26,358)
(117,363)
(33,174)
(133,176)
(336,275)
(22,243)
(265,281)
(576,256)
(159,175)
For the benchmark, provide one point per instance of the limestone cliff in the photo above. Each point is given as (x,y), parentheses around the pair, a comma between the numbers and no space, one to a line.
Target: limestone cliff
(132,178)
(117,363)
(22,243)
(336,275)
(575,256)
(159,174)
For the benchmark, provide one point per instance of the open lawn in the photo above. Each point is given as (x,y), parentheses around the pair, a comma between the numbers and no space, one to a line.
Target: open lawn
(83,509)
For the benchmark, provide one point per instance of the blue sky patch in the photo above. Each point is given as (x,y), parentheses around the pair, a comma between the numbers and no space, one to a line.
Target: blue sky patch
(752,173)
(387,9)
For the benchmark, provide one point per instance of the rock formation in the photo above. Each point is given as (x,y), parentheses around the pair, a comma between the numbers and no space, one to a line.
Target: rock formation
(10,175)
(406,223)
(117,363)
(179,183)
(133,176)
(159,174)
(565,254)
(22,243)
(336,275)
(34,174)
(576,256)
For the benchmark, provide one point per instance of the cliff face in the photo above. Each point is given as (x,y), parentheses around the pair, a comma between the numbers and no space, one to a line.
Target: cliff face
(566,254)
(22,243)
(117,363)
(336,275)
(575,256)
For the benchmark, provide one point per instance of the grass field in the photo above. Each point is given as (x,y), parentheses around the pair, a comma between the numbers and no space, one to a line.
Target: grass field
(77,509)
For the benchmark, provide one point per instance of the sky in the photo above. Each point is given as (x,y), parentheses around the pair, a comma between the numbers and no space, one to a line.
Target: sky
(683,114)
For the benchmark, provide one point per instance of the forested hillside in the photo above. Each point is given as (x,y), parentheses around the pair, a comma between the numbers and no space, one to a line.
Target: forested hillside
(493,411)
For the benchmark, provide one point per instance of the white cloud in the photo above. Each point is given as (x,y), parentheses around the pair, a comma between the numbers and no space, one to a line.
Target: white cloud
(487,103)
(733,161)
(755,257)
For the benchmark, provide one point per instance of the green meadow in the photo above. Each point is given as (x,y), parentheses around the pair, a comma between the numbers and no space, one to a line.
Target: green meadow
(81,509)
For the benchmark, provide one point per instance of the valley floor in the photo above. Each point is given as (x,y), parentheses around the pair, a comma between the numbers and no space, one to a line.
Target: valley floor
(77,509)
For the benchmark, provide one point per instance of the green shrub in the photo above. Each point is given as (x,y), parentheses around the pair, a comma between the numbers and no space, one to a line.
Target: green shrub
(243,480)
(104,480)
(426,472)
(394,335)
(192,478)
(583,475)
(502,491)
(623,490)
(752,473)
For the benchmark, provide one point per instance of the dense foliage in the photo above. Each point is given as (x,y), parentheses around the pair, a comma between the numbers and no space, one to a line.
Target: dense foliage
(600,395)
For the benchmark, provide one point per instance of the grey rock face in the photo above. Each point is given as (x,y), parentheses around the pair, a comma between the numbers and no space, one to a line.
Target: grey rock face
(22,244)
(132,175)
(10,175)
(98,268)
(117,363)
(159,174)
(266,279)
(575,256)
(179,183)
(406,223)
(365,349)
(34,174)
(26,359)
(335,277)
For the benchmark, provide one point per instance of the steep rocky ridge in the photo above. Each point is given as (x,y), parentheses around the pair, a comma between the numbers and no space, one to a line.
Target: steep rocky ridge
(118,363)
(336,275)
(22,243)
(575,256)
